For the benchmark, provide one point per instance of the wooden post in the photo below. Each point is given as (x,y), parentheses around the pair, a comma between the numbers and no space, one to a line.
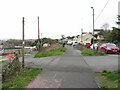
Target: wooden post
(23,42)
(38,35)
(81,39)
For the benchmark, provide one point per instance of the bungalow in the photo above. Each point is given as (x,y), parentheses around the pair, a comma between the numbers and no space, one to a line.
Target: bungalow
(12,50)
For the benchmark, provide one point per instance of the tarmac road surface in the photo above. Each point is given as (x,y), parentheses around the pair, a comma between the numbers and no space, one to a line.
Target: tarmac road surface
(65,71)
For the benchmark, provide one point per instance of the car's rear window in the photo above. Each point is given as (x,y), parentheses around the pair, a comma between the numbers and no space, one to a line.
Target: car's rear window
(111,45)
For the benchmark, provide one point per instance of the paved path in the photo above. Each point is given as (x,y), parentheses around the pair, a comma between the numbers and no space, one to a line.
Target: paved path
(99,63)
(37,62)
(66,71)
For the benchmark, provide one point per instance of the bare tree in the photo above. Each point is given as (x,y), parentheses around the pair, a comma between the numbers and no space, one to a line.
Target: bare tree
(105,26)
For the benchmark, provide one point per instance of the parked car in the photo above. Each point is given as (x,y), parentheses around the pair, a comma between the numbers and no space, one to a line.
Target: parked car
(69,42)
(74,43)
(95,46)
(87,44)
(110,48)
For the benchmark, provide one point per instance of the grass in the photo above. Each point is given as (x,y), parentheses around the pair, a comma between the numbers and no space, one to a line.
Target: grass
(23,78)
(109,79)
(58,51)
(2,61)
(88,52)
(21,55)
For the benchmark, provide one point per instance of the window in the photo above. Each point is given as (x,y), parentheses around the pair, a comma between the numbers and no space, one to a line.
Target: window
(87,39)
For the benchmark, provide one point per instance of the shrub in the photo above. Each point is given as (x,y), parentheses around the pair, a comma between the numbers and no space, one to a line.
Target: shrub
(116,41)
(11,67)
(104,72)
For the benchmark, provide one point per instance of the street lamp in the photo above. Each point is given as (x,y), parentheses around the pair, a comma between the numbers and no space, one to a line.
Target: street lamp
(93,26)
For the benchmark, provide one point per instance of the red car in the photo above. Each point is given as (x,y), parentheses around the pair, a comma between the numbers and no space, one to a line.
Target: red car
(110,48)
(87,44)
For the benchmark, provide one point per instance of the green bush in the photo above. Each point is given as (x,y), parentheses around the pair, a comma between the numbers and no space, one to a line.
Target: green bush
(115,42)
(104,72)
(10,68)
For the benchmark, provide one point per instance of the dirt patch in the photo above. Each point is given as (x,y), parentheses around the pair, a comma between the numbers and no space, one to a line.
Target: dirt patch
(52,47)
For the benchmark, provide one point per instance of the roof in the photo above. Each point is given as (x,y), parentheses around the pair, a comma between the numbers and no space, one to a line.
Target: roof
(98,29)
(69,37)
(12,48)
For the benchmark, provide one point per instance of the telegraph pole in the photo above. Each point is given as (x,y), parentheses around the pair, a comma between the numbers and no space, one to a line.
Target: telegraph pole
(81,38)
(23,42)
(41,39)
(38,36)
(38,28)
(81,35)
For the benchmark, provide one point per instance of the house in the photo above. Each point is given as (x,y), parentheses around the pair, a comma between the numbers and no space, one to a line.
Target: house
(86,38)
(75,38)
(100,37)
(96,31)
(79,39)
(69,39)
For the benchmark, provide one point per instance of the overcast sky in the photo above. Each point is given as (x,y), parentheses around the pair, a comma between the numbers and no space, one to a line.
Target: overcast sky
(56,17)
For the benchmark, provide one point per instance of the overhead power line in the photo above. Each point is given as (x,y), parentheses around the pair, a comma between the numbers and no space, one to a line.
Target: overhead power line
(102,10)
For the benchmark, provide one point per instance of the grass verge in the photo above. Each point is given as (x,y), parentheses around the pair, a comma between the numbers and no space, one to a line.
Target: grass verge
(109,79)
(21,55)
(88,52)
(2,61)
(58,51)
(23,78)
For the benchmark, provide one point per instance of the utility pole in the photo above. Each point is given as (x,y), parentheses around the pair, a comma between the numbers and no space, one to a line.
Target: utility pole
(38,28)
(23,42)
(38,36)
(93,27)
(81,38)
(41,39)
(81,35)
